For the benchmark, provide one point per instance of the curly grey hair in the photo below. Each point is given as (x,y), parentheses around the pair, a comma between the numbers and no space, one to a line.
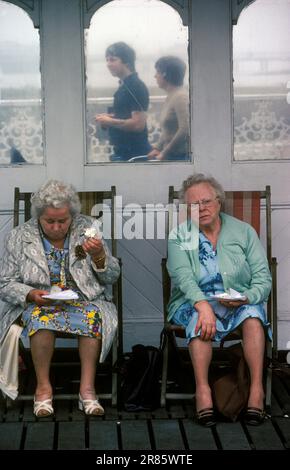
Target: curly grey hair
(55,194)
(198,178)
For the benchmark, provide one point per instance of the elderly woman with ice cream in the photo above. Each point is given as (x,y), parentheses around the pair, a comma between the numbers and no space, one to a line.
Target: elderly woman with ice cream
(41,254)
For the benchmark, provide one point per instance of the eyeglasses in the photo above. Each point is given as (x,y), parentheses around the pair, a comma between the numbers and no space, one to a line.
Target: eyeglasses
(205,202)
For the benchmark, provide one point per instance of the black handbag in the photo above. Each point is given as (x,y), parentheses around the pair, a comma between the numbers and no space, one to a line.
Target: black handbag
(140,372)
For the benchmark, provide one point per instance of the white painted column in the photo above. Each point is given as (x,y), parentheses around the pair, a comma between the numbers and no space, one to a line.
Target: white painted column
(211,87)
(62,72)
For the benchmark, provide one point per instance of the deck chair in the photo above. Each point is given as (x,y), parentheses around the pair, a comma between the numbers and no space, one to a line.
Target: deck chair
(89,200)
(246,206)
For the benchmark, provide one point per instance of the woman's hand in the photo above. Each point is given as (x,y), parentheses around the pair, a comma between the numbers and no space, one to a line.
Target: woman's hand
(160,156)
(206,322)
(153,154)
(35,296)
(105,120)
(94,247)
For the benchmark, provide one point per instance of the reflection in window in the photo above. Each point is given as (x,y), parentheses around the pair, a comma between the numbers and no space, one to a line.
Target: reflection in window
(261,59)
(20,97)
(137,113)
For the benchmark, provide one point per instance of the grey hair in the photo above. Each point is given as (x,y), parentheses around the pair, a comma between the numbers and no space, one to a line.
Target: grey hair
(55,194)
(198,178)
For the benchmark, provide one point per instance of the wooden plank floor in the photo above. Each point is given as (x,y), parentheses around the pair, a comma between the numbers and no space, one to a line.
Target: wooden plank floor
(170,429)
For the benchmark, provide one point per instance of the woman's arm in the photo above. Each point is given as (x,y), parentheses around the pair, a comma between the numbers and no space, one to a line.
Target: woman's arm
(105,266)
(261,281)
(136,123)
(181,269)
(12,285)
(180,105)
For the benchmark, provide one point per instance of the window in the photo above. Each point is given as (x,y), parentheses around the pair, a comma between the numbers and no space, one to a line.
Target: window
(20,88)
(261,60)
(153,30)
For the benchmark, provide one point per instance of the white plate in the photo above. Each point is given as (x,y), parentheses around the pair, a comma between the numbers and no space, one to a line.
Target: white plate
(62,295)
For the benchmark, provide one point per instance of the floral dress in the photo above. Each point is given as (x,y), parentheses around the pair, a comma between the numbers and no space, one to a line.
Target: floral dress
(78,317)
(211,283)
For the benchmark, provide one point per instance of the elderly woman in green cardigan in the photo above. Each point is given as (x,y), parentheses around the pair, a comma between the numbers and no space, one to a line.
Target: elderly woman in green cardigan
(223,253)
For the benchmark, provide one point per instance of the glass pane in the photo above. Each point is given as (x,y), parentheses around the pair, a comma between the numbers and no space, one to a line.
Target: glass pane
(138,115)
(261,59)
(20,89)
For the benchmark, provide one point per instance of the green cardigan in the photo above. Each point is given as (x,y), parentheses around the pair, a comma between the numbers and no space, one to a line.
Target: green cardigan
(241,258)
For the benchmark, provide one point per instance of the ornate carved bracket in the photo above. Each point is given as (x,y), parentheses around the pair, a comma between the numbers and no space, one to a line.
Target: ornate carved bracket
(91,6)
(237,7)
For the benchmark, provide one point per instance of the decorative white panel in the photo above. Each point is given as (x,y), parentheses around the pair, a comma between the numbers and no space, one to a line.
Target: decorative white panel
(20,133)
(262,130)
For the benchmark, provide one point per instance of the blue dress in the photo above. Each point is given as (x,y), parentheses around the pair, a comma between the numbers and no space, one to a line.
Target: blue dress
(227,319)
(78,317)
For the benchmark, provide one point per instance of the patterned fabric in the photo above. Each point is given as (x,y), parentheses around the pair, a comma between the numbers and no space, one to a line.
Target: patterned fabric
(24,267)
(245,205)
(78,317)
(228,319)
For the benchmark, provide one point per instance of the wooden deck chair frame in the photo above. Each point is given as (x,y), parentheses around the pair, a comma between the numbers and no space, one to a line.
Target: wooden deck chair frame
(88,199)
(246,206)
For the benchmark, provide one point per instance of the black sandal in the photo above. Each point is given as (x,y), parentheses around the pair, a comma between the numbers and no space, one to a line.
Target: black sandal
(206,417)
(254,416)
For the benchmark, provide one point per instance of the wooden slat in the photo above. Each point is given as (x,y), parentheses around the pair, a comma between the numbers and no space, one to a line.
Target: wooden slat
(39,436)
(276,410)
(135,435)
(128,415)
(76,414)
(189,409)
(71,436)
(111,413)
(10,436)
(167,435)
(2,408)
(281,393)
(160,413)
(198,437)
(103,435)
(284,426)
(176,411)
(143,415)
(28,412)
(232,436)
(62,410)
(14,411)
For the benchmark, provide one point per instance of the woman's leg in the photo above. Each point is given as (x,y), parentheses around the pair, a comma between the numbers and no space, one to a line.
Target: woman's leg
(201,354)
(89,351)
(254,347)
(42,347)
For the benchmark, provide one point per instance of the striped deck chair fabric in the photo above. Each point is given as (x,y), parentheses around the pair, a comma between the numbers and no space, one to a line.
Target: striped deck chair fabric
(244,205)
